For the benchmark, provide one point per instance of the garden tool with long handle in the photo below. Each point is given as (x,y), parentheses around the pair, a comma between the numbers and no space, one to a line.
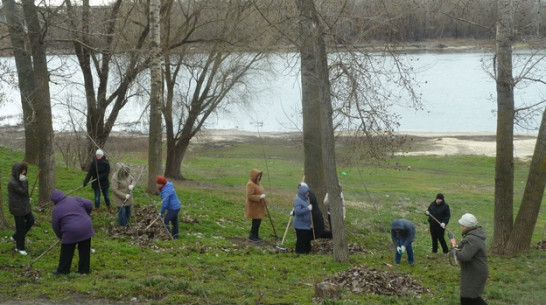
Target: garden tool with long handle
(284,235)
(269,215)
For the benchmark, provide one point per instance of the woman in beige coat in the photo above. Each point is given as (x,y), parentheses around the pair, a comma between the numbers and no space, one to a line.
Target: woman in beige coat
(122,187)
(254,205)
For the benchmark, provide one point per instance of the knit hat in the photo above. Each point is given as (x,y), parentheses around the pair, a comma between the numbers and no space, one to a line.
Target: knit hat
(99,152)
(468,220)
(161,180)
(440,196)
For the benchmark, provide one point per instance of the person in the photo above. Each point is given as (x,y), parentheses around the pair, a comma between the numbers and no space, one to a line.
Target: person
(318,219)
(72,224)
(438,217)
(472,257)
(403,234)
(99,170)
(122,188)
(19,205)
(170,204)
(302,220)
(327,204)
(254,207)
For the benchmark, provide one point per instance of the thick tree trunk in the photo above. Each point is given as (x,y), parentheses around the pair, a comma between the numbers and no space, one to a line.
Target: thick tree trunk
(504,163)
(522,232)
(155,149)
(46,161)
(27,86)
(311,26)
(175,155)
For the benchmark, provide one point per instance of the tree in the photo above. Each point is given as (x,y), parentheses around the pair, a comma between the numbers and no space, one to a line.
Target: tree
(33,66)
(155,144)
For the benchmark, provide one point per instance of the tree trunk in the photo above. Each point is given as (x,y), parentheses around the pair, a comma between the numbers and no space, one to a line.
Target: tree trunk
(23,62)
(310,25)
(155,149)
(175,154)
(522,232)
(504,163)
(46,161)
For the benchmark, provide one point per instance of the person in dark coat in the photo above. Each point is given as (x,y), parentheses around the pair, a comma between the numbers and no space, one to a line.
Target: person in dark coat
(438,209)
(402,235)
(255,204)
(302,220)
(318,218)
(99,169)
(472,257)
(19,204)
(72,225)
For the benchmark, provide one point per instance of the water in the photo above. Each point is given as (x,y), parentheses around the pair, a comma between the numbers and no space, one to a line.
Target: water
(457,92)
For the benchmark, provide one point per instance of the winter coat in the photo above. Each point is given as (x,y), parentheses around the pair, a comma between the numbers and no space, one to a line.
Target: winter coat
(70,221)
(254,207)
(98,168)
(406,235)
(18,197)
(318,219)
(169,199)
(439,211)
(302,215)
(472,257)
(120,186)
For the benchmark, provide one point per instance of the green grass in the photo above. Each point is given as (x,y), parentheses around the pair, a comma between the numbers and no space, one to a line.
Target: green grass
(210,263)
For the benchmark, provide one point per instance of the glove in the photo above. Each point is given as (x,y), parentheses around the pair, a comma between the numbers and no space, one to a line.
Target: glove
(160,214)
(127,196)
(262,196)
(399,250)
(131,187)
(443,225)
(310,207)
(427,213)
(292,212)
(403,248)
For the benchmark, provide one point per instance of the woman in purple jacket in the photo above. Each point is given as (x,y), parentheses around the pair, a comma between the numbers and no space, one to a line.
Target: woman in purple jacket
(73,226)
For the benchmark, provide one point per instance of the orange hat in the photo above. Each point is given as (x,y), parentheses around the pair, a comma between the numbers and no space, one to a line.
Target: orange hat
(161,180)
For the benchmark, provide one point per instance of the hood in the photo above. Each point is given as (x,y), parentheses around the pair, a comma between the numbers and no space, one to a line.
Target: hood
(17,168)
(57,196)
(254,174)
(397,224)
(122,171)
(302,191)
(477,231)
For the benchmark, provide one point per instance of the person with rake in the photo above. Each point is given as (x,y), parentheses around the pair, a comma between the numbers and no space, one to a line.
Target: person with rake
(402,235)
(302,220)
(122,188)
(99,169)
(19,205)
(471,255)
(169,203)
(254,207)
(438,217)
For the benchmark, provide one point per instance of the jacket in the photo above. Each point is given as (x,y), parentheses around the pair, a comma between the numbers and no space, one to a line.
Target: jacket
(120,186)
(70,220)
(18,197)
(302,215)
(254,207)
(406,235)
(98,169)
(472,257)
(169,199)
(439,211)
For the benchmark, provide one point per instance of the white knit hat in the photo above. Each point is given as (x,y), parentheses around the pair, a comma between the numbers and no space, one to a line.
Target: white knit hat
(468,220)
(99,152)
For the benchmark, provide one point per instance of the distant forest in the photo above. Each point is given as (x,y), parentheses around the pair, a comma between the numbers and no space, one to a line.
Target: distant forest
(349,22)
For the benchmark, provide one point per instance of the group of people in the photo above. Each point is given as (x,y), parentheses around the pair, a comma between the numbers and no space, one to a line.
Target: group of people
(470,253)
(71,216)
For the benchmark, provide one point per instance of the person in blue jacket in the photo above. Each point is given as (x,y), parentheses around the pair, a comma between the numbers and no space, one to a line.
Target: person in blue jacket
(169,203)
(403,234)
(302,220)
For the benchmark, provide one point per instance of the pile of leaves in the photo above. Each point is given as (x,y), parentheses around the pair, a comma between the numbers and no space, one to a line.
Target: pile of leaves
(145,227)
(362,279)
(325,246)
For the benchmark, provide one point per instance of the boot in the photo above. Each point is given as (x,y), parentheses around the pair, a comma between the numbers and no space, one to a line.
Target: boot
(110,210)
(97,210)
(254,238)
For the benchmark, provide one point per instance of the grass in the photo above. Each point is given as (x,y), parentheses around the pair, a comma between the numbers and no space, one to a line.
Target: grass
(211,263)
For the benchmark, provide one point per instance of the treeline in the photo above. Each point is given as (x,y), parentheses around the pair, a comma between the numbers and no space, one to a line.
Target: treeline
(356,22)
